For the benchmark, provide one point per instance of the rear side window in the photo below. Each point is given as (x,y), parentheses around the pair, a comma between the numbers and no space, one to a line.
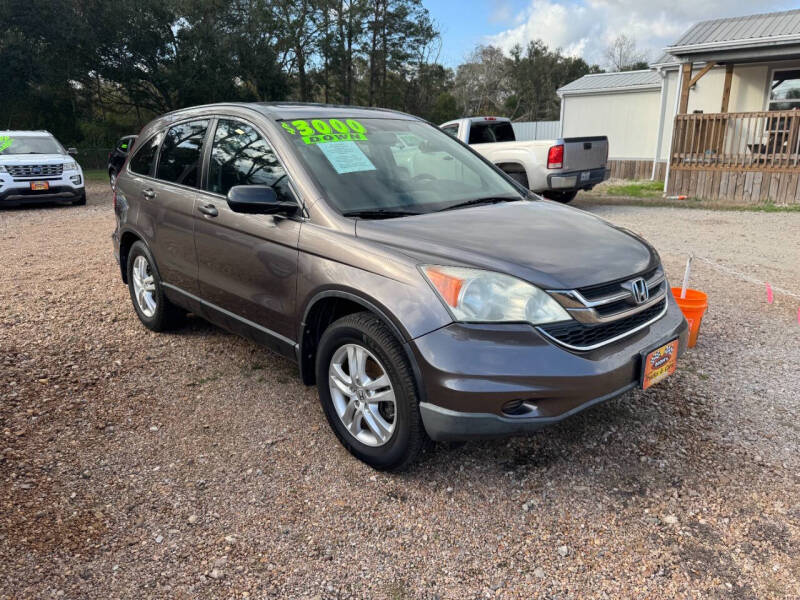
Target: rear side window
(488,133)
(179,161)
(124,145)
(451,130)
(241,156)
(144,159)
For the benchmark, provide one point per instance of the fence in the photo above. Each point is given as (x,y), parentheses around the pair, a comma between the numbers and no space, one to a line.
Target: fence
(537,130)
(757,141)
(93,158)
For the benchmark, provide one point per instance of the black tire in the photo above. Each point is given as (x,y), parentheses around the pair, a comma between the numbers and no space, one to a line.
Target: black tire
(112,173)
(408,439)
(564,197)
(166,315)
(80,201)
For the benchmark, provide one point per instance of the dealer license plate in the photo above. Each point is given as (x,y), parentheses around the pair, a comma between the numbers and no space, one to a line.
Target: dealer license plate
(659,364)
(38,186)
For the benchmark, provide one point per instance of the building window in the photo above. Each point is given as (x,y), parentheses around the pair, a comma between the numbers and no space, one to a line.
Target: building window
(785,91)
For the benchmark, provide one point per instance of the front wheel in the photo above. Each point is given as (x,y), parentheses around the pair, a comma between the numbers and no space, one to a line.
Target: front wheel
(81,201)
(368,393)
(565,197)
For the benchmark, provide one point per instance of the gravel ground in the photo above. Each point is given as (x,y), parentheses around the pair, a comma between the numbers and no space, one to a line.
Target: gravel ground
(196,465)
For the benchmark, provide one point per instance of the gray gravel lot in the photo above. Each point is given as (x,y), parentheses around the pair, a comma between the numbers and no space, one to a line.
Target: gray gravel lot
(196,465)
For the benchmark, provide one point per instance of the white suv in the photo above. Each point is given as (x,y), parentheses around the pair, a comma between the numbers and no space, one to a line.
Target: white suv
(34,167)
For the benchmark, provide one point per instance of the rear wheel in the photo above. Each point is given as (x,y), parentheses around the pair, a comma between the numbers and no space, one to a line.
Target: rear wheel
(565,197)
(368,393)
(155,311)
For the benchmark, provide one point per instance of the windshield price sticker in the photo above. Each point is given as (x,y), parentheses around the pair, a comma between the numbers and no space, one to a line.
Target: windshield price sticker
(321,131)
(5,142)
(346,157)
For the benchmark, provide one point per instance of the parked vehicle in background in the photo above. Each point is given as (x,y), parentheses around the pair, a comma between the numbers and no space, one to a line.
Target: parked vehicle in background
(117,157)
(426,295)
(35,167)
(557,169)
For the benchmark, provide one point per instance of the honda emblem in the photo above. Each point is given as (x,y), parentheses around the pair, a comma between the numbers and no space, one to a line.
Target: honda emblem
(640,291)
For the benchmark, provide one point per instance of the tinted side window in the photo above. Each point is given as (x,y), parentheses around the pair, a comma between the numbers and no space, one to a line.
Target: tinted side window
(241,156)
(179,161)
(451,130)
(145,157)
(124,145)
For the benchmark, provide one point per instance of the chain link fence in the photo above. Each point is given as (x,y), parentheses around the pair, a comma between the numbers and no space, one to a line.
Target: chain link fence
(93,158)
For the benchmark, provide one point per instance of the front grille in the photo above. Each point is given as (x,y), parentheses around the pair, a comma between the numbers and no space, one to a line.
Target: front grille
(36,170)
(612,308)
(594,292)
(580,336)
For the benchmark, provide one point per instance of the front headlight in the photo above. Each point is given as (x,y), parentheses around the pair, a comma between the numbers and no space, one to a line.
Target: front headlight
(474,295)
(71,166)
(3,169)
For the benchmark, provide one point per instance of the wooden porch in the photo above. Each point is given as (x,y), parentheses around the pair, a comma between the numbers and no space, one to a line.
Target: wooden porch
(759,141)
(737,157)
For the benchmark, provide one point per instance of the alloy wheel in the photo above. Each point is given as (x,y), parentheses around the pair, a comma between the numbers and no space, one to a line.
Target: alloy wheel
(362,395)
(144,286)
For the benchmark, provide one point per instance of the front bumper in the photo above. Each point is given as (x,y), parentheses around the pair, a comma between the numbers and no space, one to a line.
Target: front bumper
(471,373)
(13,193)
(577,180)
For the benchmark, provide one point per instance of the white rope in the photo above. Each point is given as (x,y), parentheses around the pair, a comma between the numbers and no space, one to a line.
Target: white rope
(745,277)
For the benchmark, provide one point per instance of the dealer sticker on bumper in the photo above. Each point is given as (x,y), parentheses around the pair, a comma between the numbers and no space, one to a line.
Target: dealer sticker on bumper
(38,186)
(659,364)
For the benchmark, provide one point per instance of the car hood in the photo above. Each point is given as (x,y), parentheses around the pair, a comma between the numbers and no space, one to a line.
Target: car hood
(548,244)
(33,159)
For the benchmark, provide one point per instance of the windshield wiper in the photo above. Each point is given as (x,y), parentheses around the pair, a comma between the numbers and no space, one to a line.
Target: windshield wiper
(477,201)
(379,213)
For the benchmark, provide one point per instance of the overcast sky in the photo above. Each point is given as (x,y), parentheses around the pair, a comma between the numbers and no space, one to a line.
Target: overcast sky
(582,27)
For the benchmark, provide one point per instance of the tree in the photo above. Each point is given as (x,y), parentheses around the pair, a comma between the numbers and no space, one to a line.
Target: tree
(481,84)
(623,55)
(521,86)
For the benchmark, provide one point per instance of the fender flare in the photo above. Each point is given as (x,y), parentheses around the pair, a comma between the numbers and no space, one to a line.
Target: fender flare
(378,311)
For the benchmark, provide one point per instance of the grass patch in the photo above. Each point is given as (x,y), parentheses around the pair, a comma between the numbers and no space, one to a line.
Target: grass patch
(95,175)
(658,201)
(651,193)
(635,189)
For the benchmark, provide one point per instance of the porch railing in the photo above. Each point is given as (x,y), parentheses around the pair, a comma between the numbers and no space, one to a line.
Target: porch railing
(764,141)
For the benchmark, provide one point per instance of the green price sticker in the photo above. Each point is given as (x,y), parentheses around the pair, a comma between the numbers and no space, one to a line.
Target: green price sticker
(320,131)
(5,142)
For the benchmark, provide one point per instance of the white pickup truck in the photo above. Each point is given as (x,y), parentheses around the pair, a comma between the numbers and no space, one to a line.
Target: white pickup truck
(557,169)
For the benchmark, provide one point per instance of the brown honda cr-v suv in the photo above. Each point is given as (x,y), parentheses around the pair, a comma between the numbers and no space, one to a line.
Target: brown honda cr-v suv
(426,294)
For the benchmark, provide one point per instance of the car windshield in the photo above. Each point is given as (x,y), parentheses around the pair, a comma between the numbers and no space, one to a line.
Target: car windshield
(40,144)
(393,167)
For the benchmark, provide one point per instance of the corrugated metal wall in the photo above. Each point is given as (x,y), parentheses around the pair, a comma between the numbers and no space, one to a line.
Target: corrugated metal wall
(537,130)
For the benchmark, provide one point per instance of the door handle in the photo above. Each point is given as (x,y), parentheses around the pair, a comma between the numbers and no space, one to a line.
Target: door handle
(209,210)
(149,193)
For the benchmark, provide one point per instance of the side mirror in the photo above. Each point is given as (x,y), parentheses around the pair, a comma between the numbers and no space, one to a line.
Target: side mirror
(72,151)
(259,200)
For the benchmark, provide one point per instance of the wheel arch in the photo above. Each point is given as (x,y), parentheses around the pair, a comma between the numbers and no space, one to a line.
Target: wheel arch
(127,239)
(327,306)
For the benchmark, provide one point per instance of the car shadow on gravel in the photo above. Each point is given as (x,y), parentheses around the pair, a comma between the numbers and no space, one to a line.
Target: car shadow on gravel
(28,207)
(628,447)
